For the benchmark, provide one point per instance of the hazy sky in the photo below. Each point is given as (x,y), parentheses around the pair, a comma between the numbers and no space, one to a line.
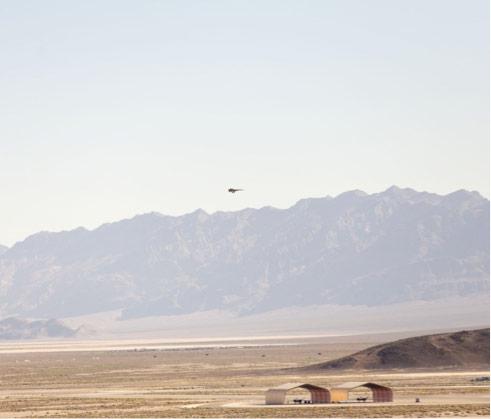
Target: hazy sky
(112,108)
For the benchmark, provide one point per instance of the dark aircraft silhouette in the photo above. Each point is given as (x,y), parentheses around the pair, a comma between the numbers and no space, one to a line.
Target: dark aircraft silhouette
(232,190)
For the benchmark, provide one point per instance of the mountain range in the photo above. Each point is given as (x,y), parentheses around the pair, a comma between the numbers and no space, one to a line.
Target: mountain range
(354,249)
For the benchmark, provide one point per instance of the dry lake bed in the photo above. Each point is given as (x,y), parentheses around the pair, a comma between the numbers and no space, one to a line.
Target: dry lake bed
(214,378)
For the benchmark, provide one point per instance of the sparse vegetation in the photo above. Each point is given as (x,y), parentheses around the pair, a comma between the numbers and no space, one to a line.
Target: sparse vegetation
(228,383)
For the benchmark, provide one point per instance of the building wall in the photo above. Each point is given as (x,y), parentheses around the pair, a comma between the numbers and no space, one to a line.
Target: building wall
(275,396)
(380,395)
(339,395)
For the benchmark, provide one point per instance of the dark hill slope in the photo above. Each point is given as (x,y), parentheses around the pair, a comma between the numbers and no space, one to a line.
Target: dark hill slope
(461,349)
(15,328)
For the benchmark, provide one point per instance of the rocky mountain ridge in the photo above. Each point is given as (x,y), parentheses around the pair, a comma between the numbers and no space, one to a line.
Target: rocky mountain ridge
(355,249)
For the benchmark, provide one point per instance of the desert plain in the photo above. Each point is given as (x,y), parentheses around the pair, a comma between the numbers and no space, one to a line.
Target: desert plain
(214,378)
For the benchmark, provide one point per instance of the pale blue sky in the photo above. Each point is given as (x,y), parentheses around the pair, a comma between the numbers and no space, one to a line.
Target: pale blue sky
(112,108)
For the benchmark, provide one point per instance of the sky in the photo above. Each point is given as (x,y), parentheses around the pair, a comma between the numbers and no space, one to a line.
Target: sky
(112,108)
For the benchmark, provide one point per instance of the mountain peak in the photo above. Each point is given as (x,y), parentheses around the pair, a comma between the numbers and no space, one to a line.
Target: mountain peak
(199,214)
(464,194)
(306,203)
(148,215)
(397,190)
(355,193)
(3,249)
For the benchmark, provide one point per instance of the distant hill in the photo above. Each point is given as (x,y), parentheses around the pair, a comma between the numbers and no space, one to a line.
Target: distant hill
(15,328)
(461,349)
(3,249)
(355,249)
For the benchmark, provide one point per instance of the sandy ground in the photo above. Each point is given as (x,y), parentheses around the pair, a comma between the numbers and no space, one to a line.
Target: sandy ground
(213,378)
(75,345)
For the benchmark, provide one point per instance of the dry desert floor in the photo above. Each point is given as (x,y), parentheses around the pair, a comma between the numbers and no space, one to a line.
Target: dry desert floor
(213,378)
